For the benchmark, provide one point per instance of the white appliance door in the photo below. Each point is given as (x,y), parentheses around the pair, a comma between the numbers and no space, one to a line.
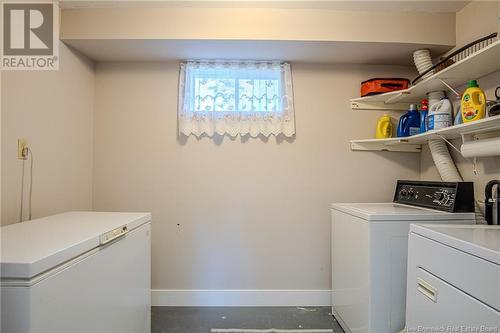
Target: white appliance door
(108,290)
(440,307)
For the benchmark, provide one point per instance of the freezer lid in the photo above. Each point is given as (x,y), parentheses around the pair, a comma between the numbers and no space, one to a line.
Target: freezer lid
(482,241)
(32,247)
(388,211)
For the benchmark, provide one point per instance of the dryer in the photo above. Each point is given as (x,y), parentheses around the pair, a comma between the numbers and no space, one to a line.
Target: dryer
(453,282)
(369,251)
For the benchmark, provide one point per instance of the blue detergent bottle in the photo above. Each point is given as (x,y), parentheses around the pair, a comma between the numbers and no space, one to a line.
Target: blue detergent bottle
(409,123)
(424,110)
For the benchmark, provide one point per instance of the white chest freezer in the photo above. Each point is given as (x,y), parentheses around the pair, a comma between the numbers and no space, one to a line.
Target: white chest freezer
(453,278)
(76,272)
(369,253)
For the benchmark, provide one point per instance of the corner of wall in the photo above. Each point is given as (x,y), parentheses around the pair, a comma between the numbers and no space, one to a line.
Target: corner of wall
(57,120)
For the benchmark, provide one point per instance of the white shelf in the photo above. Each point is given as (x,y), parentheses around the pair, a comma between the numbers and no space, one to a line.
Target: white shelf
(481,63)
(413,143)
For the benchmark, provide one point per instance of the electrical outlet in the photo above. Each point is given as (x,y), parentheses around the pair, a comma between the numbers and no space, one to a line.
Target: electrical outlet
(22,144)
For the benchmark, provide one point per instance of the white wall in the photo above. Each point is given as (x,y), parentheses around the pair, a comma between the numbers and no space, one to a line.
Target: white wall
(477,19)
(53,110)
(243,213)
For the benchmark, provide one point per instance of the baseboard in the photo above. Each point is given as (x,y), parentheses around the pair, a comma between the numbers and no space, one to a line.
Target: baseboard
(240,297)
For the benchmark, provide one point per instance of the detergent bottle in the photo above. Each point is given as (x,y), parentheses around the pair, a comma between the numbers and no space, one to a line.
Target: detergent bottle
(424,110)
(409,123)
(440,115)
(458,116)
(473,105)
(384,127)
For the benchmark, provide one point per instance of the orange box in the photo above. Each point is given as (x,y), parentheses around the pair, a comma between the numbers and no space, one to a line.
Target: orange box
(380,86)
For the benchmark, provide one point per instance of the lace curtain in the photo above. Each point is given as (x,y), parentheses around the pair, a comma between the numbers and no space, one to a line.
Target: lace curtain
(235,97)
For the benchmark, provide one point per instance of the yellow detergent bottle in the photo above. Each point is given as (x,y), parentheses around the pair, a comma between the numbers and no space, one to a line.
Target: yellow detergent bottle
(384,127)
(473,105)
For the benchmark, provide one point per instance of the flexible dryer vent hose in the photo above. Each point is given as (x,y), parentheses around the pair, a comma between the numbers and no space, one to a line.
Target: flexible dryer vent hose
(448,170)
(443,161)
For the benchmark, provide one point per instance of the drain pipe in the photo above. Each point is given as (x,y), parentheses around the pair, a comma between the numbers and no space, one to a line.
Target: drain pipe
(448,171)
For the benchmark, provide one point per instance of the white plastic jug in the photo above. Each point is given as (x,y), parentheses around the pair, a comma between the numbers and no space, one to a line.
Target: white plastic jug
(435,97)
(440,115)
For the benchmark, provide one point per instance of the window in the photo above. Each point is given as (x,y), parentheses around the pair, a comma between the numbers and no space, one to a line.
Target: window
(243,90)
(236,98)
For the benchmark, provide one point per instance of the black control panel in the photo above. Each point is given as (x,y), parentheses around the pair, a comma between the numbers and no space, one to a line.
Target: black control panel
(453,197)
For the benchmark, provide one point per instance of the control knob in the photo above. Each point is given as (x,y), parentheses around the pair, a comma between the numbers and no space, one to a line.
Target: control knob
(439,196)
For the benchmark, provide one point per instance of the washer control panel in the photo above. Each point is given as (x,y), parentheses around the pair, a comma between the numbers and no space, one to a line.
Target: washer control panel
(446,196)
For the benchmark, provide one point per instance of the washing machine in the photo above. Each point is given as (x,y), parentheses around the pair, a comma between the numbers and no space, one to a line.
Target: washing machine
(369,250)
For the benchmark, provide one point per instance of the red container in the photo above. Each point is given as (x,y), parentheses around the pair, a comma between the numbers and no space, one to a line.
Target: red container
(380,86)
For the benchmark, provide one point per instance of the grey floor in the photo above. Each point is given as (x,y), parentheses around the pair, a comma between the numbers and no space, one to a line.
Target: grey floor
(202,319)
